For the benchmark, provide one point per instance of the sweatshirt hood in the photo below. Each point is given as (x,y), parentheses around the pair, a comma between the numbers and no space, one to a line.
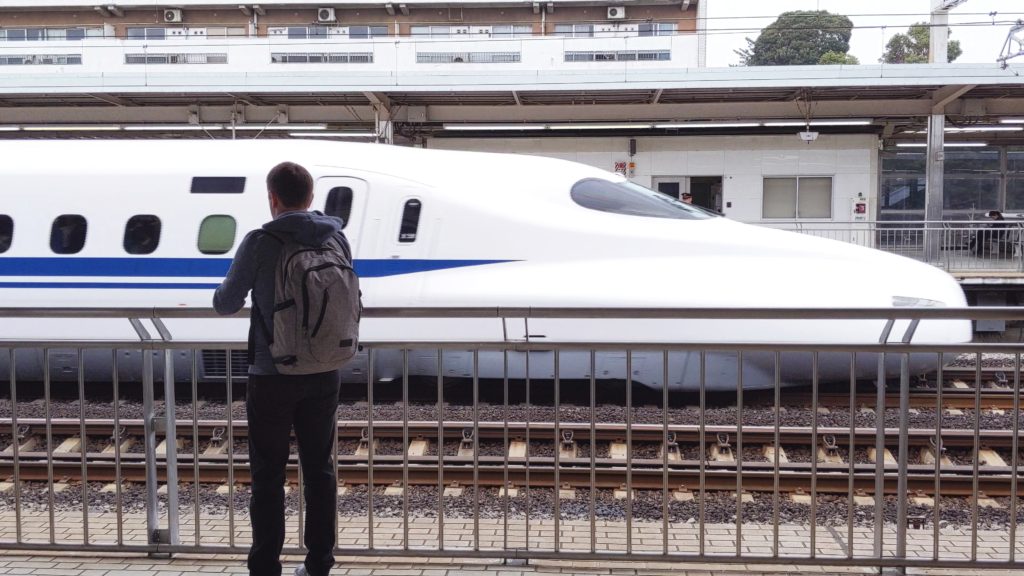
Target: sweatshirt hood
(308,228)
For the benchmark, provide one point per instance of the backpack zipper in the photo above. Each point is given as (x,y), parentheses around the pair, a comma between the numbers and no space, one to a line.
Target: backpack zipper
(323,311)
(305,291)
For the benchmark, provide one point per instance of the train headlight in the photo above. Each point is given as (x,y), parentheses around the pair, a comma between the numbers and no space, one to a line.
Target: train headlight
(909,301)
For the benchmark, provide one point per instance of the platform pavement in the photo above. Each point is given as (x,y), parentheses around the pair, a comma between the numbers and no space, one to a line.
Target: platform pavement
(80,564)
(458,533)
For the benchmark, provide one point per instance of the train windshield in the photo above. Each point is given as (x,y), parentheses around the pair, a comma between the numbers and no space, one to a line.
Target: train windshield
(632,200)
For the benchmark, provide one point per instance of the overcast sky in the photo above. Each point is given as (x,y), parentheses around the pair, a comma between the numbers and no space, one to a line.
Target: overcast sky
(981,42)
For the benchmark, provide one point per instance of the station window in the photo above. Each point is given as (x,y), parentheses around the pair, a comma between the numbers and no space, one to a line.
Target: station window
(6,232)
(339,203)
(629,199)
(218,184)
(1014,196)
(142,234)
(67,235)
(800,197)
(217,234)
(410,221)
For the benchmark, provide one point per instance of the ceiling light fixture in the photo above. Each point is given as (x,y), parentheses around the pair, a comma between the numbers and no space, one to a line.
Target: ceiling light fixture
(332,134)
(599,126)
(956,144)
(495,127)
(836,122)
(708,125)
(165,127)
(984,129)
(72,128)
(1012,121)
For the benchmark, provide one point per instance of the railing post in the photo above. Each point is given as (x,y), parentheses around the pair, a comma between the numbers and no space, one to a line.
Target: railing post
(171,441)
(149,430)
(150,424)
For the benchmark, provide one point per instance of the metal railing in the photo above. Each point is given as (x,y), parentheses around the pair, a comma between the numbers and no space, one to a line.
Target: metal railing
(502,494)
(963,246)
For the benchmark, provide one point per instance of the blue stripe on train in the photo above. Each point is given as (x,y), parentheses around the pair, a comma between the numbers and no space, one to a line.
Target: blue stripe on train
(182,268)
(130,285)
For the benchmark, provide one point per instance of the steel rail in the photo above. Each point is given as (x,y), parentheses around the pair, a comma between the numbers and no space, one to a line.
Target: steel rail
(542,430)
(647,474)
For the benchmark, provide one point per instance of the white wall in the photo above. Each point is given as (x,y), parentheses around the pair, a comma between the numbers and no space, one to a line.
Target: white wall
(742,161)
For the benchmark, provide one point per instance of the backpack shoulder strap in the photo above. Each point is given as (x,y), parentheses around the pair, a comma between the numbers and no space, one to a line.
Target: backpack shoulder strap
(257,315)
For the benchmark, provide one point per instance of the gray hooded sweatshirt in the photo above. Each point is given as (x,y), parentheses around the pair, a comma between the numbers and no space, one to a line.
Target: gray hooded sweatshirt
(255,266)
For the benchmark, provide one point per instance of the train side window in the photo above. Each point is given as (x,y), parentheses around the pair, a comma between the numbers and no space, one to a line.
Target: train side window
(67,235)
(218,184)
(6,232)
(217,234)
(410,221)
(339,203)
(142,234)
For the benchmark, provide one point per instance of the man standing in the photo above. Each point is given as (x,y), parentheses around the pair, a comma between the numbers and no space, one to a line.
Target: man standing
(276,402)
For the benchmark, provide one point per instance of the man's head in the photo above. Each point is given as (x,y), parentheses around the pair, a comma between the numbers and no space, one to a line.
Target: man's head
(289,187)
(687,197)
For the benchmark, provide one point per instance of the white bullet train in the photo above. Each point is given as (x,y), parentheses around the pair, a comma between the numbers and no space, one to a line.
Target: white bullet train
(154,223)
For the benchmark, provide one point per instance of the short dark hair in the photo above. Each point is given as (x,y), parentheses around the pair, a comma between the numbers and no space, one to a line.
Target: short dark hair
(291,183)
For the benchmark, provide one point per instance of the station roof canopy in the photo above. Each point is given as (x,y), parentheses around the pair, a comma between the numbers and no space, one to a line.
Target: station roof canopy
(898,93)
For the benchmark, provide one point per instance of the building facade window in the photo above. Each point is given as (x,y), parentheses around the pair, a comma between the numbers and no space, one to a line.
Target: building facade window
(361,32)
(39,34)
(619,56)
(321,58)
(467,57)
(574,30)
(40,59)
(141,33)
(797,197)
(184,58)
(657,29)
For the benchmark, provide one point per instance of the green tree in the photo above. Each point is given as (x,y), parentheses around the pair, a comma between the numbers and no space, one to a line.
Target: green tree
(912,47)
(798,37)
(838,58)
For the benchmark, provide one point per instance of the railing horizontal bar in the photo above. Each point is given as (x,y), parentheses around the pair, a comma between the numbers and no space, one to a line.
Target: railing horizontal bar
(549,346)
(899,313)
(533,553)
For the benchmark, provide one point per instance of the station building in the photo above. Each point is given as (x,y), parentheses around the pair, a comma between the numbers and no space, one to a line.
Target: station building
(619,85)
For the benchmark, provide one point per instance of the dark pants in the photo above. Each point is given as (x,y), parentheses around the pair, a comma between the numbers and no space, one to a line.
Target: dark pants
(275,404)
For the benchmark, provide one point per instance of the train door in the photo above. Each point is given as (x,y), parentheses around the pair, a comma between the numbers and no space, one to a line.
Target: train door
(345,198)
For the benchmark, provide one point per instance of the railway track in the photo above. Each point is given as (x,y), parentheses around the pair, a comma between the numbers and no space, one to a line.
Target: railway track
(543,454)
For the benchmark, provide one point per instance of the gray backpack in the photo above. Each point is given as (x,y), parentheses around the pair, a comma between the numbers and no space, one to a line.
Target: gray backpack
(317,307)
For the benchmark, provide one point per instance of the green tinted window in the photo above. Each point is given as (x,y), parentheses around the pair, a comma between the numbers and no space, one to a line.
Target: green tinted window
(217,234)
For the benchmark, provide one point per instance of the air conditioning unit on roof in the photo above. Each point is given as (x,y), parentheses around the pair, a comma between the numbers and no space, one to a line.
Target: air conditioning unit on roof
(616,12)
(325,15)
(172,15)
